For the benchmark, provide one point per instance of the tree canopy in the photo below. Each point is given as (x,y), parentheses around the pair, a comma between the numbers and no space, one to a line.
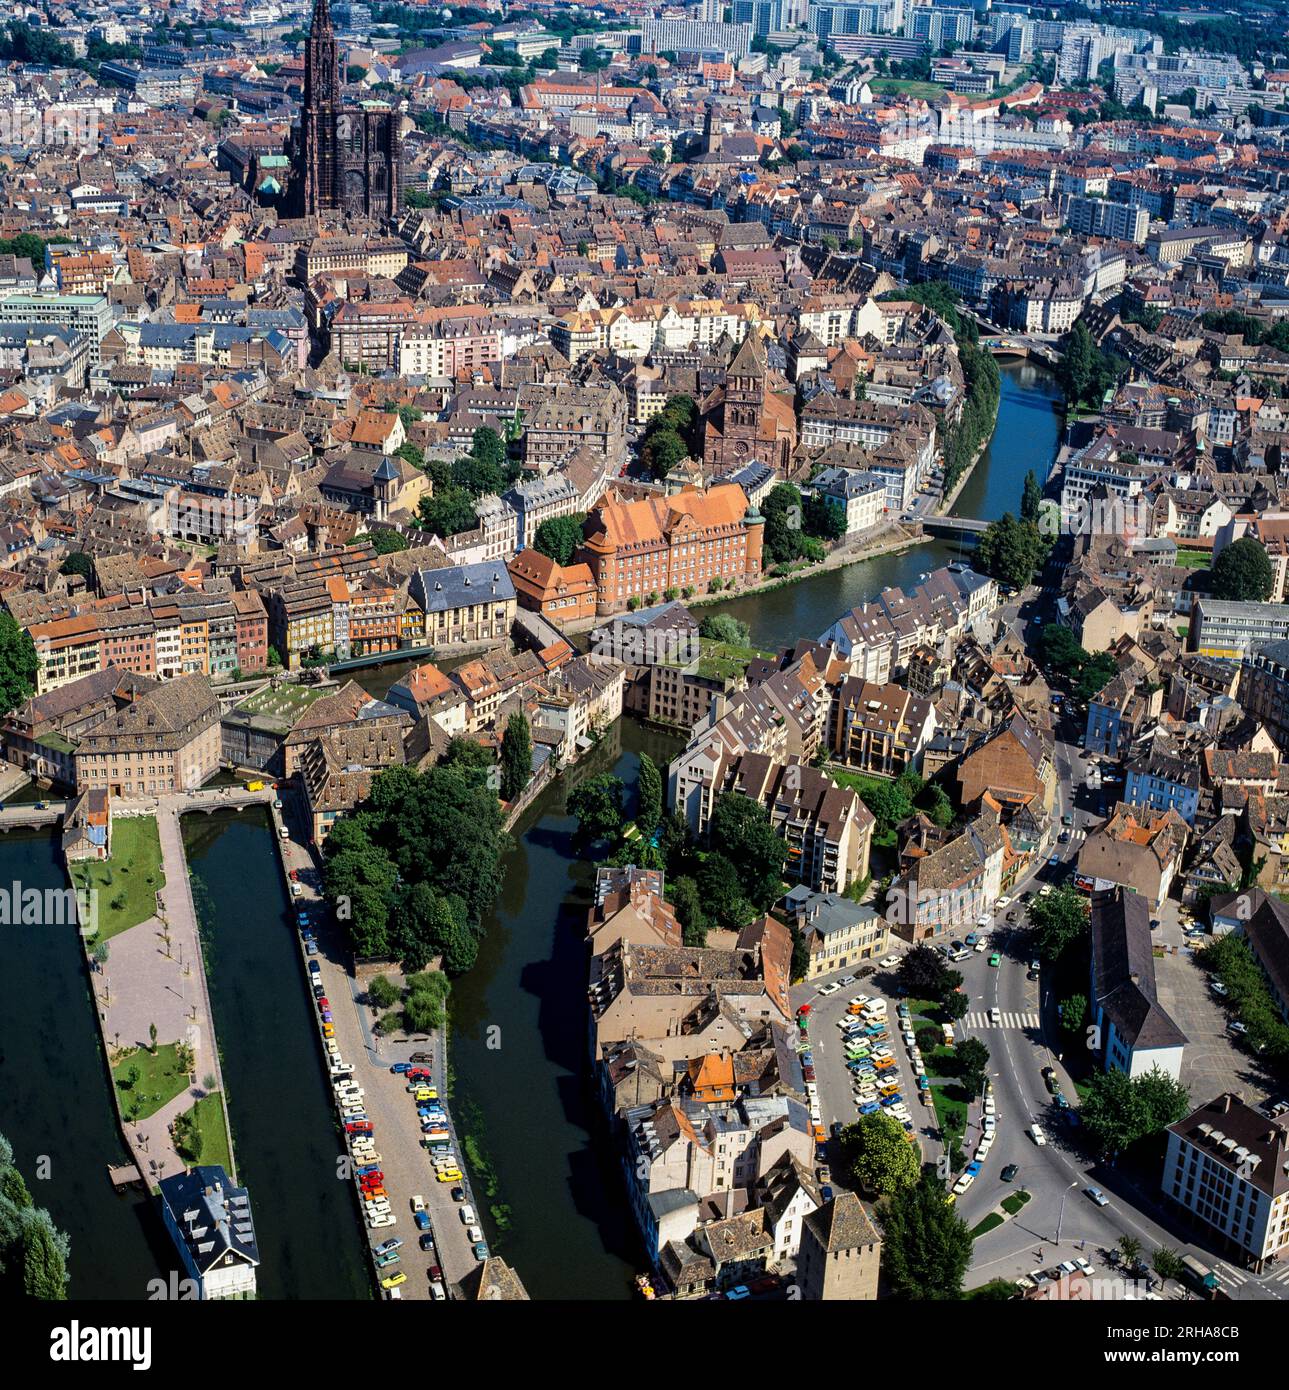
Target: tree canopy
(877,1157)
(1243,572)
(926,1247)
(415,868)
(18,664)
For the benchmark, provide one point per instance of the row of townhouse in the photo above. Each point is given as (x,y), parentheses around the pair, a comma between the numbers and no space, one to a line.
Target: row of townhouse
(877,639)
(632,330)
(212,634)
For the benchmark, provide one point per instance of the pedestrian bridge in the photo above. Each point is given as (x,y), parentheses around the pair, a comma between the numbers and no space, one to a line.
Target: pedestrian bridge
(954,528)
(1021,345)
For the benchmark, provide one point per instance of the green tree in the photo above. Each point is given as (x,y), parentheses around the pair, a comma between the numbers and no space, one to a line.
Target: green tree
(926,1247)
(1074,1013)
(722,627)
(597,804)
(649,796)
(1031,499)
(1119,1110)
(662,451)
(558,537)
(382,992)
(386,541)
(722,894)
(78,563)
(487,446)
(971,1057)
(688,904)
(923,973)
(449,512)
(1011,550)
(18,664)
(1130,1250)
(44,1257)
(822,519)
(516,757)
(1058,919)
(1243,573)
(876,1156)
(954,1002)
(1167,1263)
(741,830)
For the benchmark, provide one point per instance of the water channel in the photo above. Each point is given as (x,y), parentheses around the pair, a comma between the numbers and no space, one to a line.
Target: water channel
(519,1018)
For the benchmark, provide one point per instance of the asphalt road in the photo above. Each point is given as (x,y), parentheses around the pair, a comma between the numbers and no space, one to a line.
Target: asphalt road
(1060,1221)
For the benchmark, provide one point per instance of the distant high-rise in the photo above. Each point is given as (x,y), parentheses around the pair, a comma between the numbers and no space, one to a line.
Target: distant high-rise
(342,158)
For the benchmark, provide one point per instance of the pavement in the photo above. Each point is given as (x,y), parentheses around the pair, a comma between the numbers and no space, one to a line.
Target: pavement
(155,976)
(405,1163)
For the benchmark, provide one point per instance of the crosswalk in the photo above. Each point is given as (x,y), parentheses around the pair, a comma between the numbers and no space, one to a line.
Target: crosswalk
(1008,1020)
(1236,1277)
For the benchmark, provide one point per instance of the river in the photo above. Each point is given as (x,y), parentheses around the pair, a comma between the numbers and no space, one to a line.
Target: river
(279,1103)
(1026,437)
(519,1018)
(55,1105)
(570,1235)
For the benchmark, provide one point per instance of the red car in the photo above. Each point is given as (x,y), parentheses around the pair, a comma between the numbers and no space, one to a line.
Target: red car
(295,874)
(323,1003)
(766,1284)
(419,1074)
(358,1127)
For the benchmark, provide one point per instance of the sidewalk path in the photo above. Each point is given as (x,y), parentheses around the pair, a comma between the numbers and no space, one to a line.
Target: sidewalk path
(149,980)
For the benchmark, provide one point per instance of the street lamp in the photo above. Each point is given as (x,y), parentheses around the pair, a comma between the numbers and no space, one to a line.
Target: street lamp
(1060,1220)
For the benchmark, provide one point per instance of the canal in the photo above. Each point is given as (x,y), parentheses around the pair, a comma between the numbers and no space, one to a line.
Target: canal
(279,1103)
(55,1102)
(519,1053)
(519,1019)
(519,1049)
(1026,437)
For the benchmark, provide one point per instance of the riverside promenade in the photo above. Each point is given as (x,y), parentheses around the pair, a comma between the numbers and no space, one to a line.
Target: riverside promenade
(155,976)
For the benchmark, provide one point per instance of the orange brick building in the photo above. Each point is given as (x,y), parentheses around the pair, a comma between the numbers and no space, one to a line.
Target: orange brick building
(635,549)
(560,593)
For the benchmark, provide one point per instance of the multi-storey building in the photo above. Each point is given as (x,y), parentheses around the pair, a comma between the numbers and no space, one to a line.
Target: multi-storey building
(1136,1033)
(1227,1167)
(464,603)
(166,739)
(681,542)
(1231,630)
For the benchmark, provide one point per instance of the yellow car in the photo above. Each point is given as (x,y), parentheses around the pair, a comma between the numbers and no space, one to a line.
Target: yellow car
(951,1199)
(328,1030)
(394,1280)
(425,1094)
(450,1175)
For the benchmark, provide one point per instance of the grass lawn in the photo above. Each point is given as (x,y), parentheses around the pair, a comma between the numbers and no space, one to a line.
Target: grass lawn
(950,1113)
(208,1116)
(1195,559)
(1012,1204)
(991,1222)
(127,884)
(906,87)
(160,1079)
(723,660)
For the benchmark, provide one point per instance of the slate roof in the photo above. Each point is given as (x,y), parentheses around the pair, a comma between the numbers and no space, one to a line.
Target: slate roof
(1123,964)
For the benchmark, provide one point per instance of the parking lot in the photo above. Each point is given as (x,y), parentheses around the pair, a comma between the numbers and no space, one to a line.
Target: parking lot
(835,1083)
(1214,1061)
(406,1167)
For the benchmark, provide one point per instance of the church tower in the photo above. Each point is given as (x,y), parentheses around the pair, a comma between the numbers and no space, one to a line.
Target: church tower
(318,117)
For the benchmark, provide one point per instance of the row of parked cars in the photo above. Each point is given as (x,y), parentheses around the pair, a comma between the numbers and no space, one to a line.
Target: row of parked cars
(437,1138)
(870,1059)
(989,1131)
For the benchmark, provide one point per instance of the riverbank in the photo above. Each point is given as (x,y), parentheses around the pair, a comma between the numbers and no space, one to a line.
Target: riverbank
(156,1024)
